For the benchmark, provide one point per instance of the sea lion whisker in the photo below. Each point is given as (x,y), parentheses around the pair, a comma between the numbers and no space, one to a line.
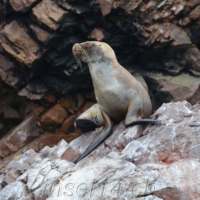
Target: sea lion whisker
(78,60)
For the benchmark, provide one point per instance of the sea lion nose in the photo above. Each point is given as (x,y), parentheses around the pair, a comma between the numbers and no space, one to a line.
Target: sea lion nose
(75,47)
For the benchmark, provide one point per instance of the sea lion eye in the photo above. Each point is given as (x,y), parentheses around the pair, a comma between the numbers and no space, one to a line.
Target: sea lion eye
(88,44)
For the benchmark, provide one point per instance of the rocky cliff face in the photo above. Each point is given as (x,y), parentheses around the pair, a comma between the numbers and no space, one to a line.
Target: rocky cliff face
(157,41)
(43,90)
(150,38)
(155,162)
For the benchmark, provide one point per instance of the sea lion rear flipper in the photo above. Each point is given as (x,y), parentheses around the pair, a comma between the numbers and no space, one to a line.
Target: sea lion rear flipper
(142,121)
(133,115)
(106,132)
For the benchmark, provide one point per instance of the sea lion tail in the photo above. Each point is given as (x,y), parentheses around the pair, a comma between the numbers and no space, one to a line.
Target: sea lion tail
(107,130)
(142,121)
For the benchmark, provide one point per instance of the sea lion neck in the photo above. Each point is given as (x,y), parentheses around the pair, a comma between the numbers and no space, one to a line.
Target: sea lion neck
(104,64)
(101,73)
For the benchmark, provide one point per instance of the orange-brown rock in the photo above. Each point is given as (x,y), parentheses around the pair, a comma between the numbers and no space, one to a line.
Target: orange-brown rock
(89,95)
(195,14)
(192,3)
(72,102)
(176,88)
(70,154)
(49,139)
(48,13)
(70,120)
(105,6)
(53,116)
(22,5)
(185,21)
(161,33)
(42,35)
(20,45)
(52,98)
(39,110)
(97,34)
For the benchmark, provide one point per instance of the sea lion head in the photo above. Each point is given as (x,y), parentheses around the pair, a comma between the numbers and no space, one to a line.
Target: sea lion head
(93,52)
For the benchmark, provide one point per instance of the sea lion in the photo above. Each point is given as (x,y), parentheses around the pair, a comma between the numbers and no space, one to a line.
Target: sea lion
(119,95)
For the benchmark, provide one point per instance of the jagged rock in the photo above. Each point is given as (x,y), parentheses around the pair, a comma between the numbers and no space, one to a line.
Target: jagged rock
(36,86)
(184,22)
(18,166)
(72,102)
(105,5)
(53,117)
(8,72)
(78,9)
(21,135)
(142,162)
(193,59)
(38,174)
(155,24)
(181,123)
(5,66)
(29,95)
(39,110)
(12,108)
(97,34)
(22,46)
(195,14)
(175,88)
(161,36)
(151,35)
(10,113)
(45,37)
(161,33)
(22,6)
(52,98)
(192,3)
(49,139)
(69,122)
(160,159)
(48,13)
(15,190)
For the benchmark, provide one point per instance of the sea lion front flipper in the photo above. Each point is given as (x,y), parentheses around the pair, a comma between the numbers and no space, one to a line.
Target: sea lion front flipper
(106,132)
(90,119)
(86,125)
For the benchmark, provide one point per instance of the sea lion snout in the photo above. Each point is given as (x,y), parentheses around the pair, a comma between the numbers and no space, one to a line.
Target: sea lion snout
(82,51)
(76,49)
